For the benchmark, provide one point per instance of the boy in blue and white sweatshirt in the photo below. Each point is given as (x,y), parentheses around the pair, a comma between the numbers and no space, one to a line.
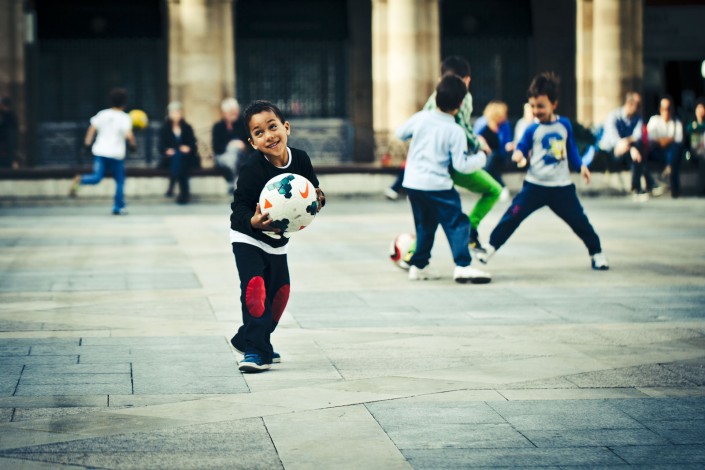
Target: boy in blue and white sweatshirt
(550,145)
(439,143)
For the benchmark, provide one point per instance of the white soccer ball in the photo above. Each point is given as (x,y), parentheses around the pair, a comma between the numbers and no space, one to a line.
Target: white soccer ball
(291,202)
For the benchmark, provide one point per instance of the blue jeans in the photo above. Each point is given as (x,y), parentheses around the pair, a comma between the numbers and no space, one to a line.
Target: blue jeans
(397,186)
(639,169)
(562,200)
(178,170)
(117,168)
(431,208)
(669,156)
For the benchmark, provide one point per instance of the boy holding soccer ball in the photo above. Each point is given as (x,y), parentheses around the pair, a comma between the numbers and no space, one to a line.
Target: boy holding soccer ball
(438,142)
(259,249)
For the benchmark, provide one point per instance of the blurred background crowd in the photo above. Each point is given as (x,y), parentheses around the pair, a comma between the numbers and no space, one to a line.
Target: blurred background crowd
(346,72)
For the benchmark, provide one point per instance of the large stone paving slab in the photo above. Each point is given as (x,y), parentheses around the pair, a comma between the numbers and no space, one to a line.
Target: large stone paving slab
(243,446)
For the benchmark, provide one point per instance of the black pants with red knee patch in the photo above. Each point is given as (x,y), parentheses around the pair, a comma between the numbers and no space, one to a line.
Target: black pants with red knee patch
(264,292)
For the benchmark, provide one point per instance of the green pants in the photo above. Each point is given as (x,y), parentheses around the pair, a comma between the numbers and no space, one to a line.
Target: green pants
(479,182)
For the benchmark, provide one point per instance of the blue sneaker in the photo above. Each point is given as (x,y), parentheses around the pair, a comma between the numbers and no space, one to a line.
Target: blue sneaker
(276,357)
(253,362)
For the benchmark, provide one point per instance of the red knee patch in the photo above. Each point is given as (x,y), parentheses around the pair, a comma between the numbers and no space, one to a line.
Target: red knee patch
(255,295)
(279,302)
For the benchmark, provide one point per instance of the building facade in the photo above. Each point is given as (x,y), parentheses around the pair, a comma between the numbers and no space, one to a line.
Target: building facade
(345,72)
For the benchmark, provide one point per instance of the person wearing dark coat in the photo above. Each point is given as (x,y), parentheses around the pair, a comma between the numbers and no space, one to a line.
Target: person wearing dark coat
(177,146)
(8,135)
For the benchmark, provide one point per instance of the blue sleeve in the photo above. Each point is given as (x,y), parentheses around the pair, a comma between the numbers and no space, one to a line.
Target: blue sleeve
(479,126)
(527,140)
(636,135)
(574,160)
(505,135)
(610,135)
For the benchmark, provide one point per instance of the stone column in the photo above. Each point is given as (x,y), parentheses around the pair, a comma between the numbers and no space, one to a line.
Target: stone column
(13,34)
(360,27)
(201,61)
(617,53)
(583,63)
(405,64)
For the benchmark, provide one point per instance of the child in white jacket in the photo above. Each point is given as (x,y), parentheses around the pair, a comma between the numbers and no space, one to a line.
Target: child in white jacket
(439,143)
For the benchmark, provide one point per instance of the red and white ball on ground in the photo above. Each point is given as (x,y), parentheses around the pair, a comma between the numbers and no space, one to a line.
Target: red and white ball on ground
(401,249)
(291,202)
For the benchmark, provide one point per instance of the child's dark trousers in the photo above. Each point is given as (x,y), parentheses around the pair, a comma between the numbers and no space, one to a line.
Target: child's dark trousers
(562,200)
(264,293)
(431,208)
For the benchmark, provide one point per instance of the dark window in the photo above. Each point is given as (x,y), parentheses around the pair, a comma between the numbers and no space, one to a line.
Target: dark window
(296,58)
(495,39)
(98,19)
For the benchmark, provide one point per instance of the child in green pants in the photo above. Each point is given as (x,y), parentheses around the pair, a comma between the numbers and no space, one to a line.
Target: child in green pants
(479,182)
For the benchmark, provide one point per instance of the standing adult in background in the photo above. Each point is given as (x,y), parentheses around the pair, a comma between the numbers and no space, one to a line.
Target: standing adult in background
(229,142)
(8,134)
(621,138)
(177,145)
(666,142)
(110,128)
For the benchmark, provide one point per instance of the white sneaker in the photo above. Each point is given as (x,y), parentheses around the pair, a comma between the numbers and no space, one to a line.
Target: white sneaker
(485,257)
(659,190)
(391,194)
(505,195)
(425,274)
(599,262)
(640,197)
(465,274)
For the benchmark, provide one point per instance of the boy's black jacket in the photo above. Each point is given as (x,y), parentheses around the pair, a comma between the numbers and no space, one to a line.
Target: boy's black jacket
(253,176)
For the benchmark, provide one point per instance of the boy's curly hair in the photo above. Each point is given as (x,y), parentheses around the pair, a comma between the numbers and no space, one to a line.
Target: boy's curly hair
(547,83)
(261,106)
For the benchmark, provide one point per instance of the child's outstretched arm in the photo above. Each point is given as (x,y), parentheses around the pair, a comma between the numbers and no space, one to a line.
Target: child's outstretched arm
(574,160)
(524,146)
(464,163)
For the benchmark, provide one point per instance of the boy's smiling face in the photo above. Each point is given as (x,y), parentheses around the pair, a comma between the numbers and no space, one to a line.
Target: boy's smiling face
(268,134)
(542,108)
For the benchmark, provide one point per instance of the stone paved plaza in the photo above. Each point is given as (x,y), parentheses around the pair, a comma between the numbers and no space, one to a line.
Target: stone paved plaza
(114,354)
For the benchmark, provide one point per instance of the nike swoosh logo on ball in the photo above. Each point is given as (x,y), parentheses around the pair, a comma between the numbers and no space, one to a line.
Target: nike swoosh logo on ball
(304,194)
